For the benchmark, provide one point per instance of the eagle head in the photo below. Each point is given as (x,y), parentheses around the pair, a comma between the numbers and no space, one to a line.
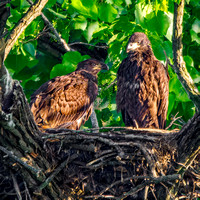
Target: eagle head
(137,40)
(92,65)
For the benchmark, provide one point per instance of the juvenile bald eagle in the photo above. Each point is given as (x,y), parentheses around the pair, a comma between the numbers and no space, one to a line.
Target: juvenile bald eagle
(67,101)
(143,86)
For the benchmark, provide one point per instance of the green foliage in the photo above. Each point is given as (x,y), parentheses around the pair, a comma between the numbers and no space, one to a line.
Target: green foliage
(68,65)
(110,22)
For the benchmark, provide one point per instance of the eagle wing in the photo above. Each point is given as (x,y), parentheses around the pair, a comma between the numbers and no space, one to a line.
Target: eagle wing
(163,88)
(64,102)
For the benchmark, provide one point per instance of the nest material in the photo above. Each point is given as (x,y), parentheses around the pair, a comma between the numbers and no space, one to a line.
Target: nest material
(113,168)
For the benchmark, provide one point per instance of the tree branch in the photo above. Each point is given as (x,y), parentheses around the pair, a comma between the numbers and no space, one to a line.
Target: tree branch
(179,64)
(49,24)
(33,12)
(152,180)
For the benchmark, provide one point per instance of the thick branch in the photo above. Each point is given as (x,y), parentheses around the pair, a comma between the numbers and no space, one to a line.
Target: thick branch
(188,143)
(179,64)
(33,12)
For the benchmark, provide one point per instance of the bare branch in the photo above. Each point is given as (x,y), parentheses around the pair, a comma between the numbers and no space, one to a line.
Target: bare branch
(15,158)
(179,64)
(151,180)
(16,186)
(94,120)
(56,171)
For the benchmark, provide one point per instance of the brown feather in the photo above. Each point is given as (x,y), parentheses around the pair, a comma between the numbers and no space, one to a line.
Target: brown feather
(67,101)
(142,94)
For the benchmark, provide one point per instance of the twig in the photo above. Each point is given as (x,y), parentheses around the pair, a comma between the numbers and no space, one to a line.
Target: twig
(121,132)
(16,186)
(173,120)
(97,46)
(56,171)
(111,84)
(5,2)
(49,24)
(100,159)
(11,155)
(27,191)
(148,182)
(153,193)
(151,180)
(94,121)
(37,36)
(100,196)
(168,192)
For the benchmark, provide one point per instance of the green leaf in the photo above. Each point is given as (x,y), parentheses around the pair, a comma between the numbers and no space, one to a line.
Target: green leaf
(128,2)
(195,37)
(112,39)
(107,13)
(138,14)
(109,1)
(50,3)
(87,8)
(15,16)
(195,31)
(60,1)
(69,64)
(18,62)
(158,47)
(196,26)
(114,49)
(188,109)
(176,87)
(24,4)
(93,26)
(172,99)
(32,28)
(141,11)
(29,47)
(60,69)
(159,23)
(23,74)
(168,48)
(73,57)
(123,23)
(189,61)
(170,29)
(80,23)
(57,14)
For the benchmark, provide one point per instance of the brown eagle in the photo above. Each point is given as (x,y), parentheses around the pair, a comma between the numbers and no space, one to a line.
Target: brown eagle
(67,101)
(143,86)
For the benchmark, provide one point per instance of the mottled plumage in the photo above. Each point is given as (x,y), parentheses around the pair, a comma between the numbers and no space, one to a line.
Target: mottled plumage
(143,86)
(67,101)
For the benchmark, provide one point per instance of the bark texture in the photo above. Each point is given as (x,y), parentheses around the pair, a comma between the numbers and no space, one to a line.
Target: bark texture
(179,64)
